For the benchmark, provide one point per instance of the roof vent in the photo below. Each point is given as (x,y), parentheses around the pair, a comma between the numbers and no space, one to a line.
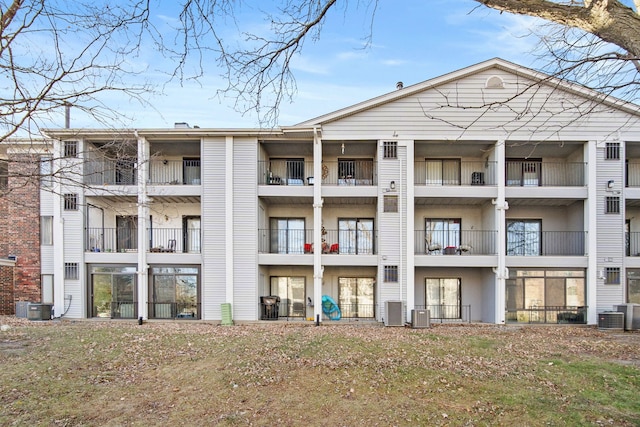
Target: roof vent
(399,85)
(494,82)
(181,125)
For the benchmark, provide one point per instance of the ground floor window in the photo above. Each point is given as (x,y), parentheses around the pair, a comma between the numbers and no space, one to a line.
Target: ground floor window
(174,293)
(633,286)
(356,296)
(113,292)
(546,296)
(442,297)
(291,291)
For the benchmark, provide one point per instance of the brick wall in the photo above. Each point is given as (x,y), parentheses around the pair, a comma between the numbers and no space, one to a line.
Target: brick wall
(7,304)
(20,225)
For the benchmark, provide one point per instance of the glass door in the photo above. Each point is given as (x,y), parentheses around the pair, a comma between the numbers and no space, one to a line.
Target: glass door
(356,296)
(113,291)
(292,295)
(443,298)
(191,227)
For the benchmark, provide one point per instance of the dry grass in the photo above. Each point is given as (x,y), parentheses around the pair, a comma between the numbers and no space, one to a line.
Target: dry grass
(178,373)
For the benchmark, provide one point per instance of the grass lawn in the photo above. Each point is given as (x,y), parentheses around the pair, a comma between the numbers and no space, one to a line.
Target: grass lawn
(87,373)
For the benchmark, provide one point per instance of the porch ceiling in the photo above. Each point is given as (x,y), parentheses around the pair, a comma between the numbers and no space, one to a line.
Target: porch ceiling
(542,202)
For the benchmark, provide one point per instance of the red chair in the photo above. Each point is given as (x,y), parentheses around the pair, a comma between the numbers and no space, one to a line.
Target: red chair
(308,248)
(334,248)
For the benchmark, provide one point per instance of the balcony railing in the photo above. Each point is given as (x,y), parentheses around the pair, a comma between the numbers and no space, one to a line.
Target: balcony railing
(111,172)
(458,242)
(546,243)
(346,242)
(445,172)
(447,313)
(545,174)
(124,310)
(633,173)
(173,240)
(175,172)
(349,173)
(548,314)
(174,310)
(285,172)
(632,243)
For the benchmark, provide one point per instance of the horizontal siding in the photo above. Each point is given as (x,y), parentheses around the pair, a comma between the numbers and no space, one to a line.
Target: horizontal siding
(245,225)
(452,111)
(213,227)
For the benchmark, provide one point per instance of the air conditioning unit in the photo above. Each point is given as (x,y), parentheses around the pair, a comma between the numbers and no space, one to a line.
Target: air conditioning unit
(39,311)
(420,319)
(611,320)
(631,316)
(393,313)
(22,309)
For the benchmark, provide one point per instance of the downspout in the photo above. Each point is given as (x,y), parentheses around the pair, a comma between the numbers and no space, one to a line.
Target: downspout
(318,269)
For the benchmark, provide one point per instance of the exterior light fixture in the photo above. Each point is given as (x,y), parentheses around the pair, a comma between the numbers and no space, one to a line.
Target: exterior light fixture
(392,185)
(342,148)
(610,183)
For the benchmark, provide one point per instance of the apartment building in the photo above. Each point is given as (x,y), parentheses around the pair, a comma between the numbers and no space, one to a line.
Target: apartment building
(491,194)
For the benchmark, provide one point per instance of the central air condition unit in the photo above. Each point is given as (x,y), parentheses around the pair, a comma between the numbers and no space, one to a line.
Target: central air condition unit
(39,311)
(631,316)
(611,320)
(393,313)
(420,319)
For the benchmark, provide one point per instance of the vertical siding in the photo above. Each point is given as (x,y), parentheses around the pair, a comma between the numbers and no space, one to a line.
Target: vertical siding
(73,252)
(213,227)
(245,225)
(610,228)
(47,199)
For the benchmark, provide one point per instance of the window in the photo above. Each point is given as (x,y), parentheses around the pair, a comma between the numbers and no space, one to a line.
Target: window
(391,273)
(46,230)
(524,237)
(442,234)
(442,172)
(390,203)
(70,149)
(292,296)
(71,271)
(612,204)
(71,202)
(612,276)
(46,171)
(46,287)
(390,149)
(356,297)
(633,286)
(4,173)
(612,151)
(287,236)
(355,235)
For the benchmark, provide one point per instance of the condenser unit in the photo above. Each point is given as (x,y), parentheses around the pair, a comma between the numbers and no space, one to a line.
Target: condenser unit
(39,311)
(393,313)
(420,319)
(631,316)
(611,320)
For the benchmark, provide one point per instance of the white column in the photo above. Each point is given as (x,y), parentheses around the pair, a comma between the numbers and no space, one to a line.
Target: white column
(143,225)
(410,221)
(501,272)
(228,209)
(58,238)
(318,269)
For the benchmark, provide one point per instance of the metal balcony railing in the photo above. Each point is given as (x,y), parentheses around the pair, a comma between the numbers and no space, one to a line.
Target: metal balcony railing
(448,312)
(103,239)
(110,172)
(170,240)
(174,310)
(175,172)
(346,242)
(545,174)
(349,173)
(124,310)
(285,172)
(548,314)
(456,242)
(447,172)
(174,240)
(546,243)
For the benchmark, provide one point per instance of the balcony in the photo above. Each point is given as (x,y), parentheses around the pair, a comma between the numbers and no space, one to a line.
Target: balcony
(299,172)
(186,310)
(545,174)
(548,314)
(110,172)
(546,243)
(285,172)
(174,172)
(453,172)
(299,242)
(455,242)
(166,240)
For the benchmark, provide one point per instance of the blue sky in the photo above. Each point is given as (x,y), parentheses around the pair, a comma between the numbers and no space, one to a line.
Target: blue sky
(413,41)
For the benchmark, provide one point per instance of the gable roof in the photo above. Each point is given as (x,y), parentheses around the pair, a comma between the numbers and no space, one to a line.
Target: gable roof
(495,63)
